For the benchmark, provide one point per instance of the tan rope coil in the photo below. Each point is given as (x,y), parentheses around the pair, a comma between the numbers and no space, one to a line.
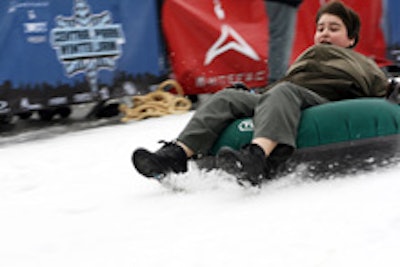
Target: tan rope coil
(157,103)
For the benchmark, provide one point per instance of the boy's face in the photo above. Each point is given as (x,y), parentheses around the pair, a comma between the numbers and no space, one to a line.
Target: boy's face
(331,30)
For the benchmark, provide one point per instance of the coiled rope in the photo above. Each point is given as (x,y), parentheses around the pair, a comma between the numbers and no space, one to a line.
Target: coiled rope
(157,103)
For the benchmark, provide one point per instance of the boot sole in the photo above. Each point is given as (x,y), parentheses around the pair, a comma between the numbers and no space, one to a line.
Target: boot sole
(227,160)
(147,164)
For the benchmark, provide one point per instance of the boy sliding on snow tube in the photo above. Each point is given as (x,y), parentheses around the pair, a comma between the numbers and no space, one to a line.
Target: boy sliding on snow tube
(327,71)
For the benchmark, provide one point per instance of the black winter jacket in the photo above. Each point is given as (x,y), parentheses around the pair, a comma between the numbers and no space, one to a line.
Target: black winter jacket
(294,3)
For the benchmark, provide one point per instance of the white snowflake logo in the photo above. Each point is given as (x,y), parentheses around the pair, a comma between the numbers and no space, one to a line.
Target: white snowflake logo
(86,42)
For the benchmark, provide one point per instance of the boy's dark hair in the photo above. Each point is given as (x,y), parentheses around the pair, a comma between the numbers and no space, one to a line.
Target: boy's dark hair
(349,17)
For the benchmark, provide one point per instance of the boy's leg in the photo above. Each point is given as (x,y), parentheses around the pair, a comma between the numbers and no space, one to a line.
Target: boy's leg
(198,136)
(214,116)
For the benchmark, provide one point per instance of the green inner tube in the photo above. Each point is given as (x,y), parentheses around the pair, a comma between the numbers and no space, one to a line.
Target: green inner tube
(334,122)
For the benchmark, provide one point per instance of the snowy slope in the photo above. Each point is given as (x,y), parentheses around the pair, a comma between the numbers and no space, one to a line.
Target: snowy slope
(75,200)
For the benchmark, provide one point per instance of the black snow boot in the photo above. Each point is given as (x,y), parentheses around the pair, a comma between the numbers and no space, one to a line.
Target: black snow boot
(169,158)
(248,165)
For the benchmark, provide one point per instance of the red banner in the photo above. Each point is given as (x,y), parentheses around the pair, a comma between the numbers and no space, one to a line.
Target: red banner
(215,43)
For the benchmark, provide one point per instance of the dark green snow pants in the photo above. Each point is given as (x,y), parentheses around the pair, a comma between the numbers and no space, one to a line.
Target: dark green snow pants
(276,115)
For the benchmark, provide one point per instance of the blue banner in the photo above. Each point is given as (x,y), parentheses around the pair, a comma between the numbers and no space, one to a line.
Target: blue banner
(392,24)
(60,52)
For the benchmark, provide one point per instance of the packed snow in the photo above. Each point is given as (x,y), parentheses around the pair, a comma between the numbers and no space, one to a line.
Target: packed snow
(74,199)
